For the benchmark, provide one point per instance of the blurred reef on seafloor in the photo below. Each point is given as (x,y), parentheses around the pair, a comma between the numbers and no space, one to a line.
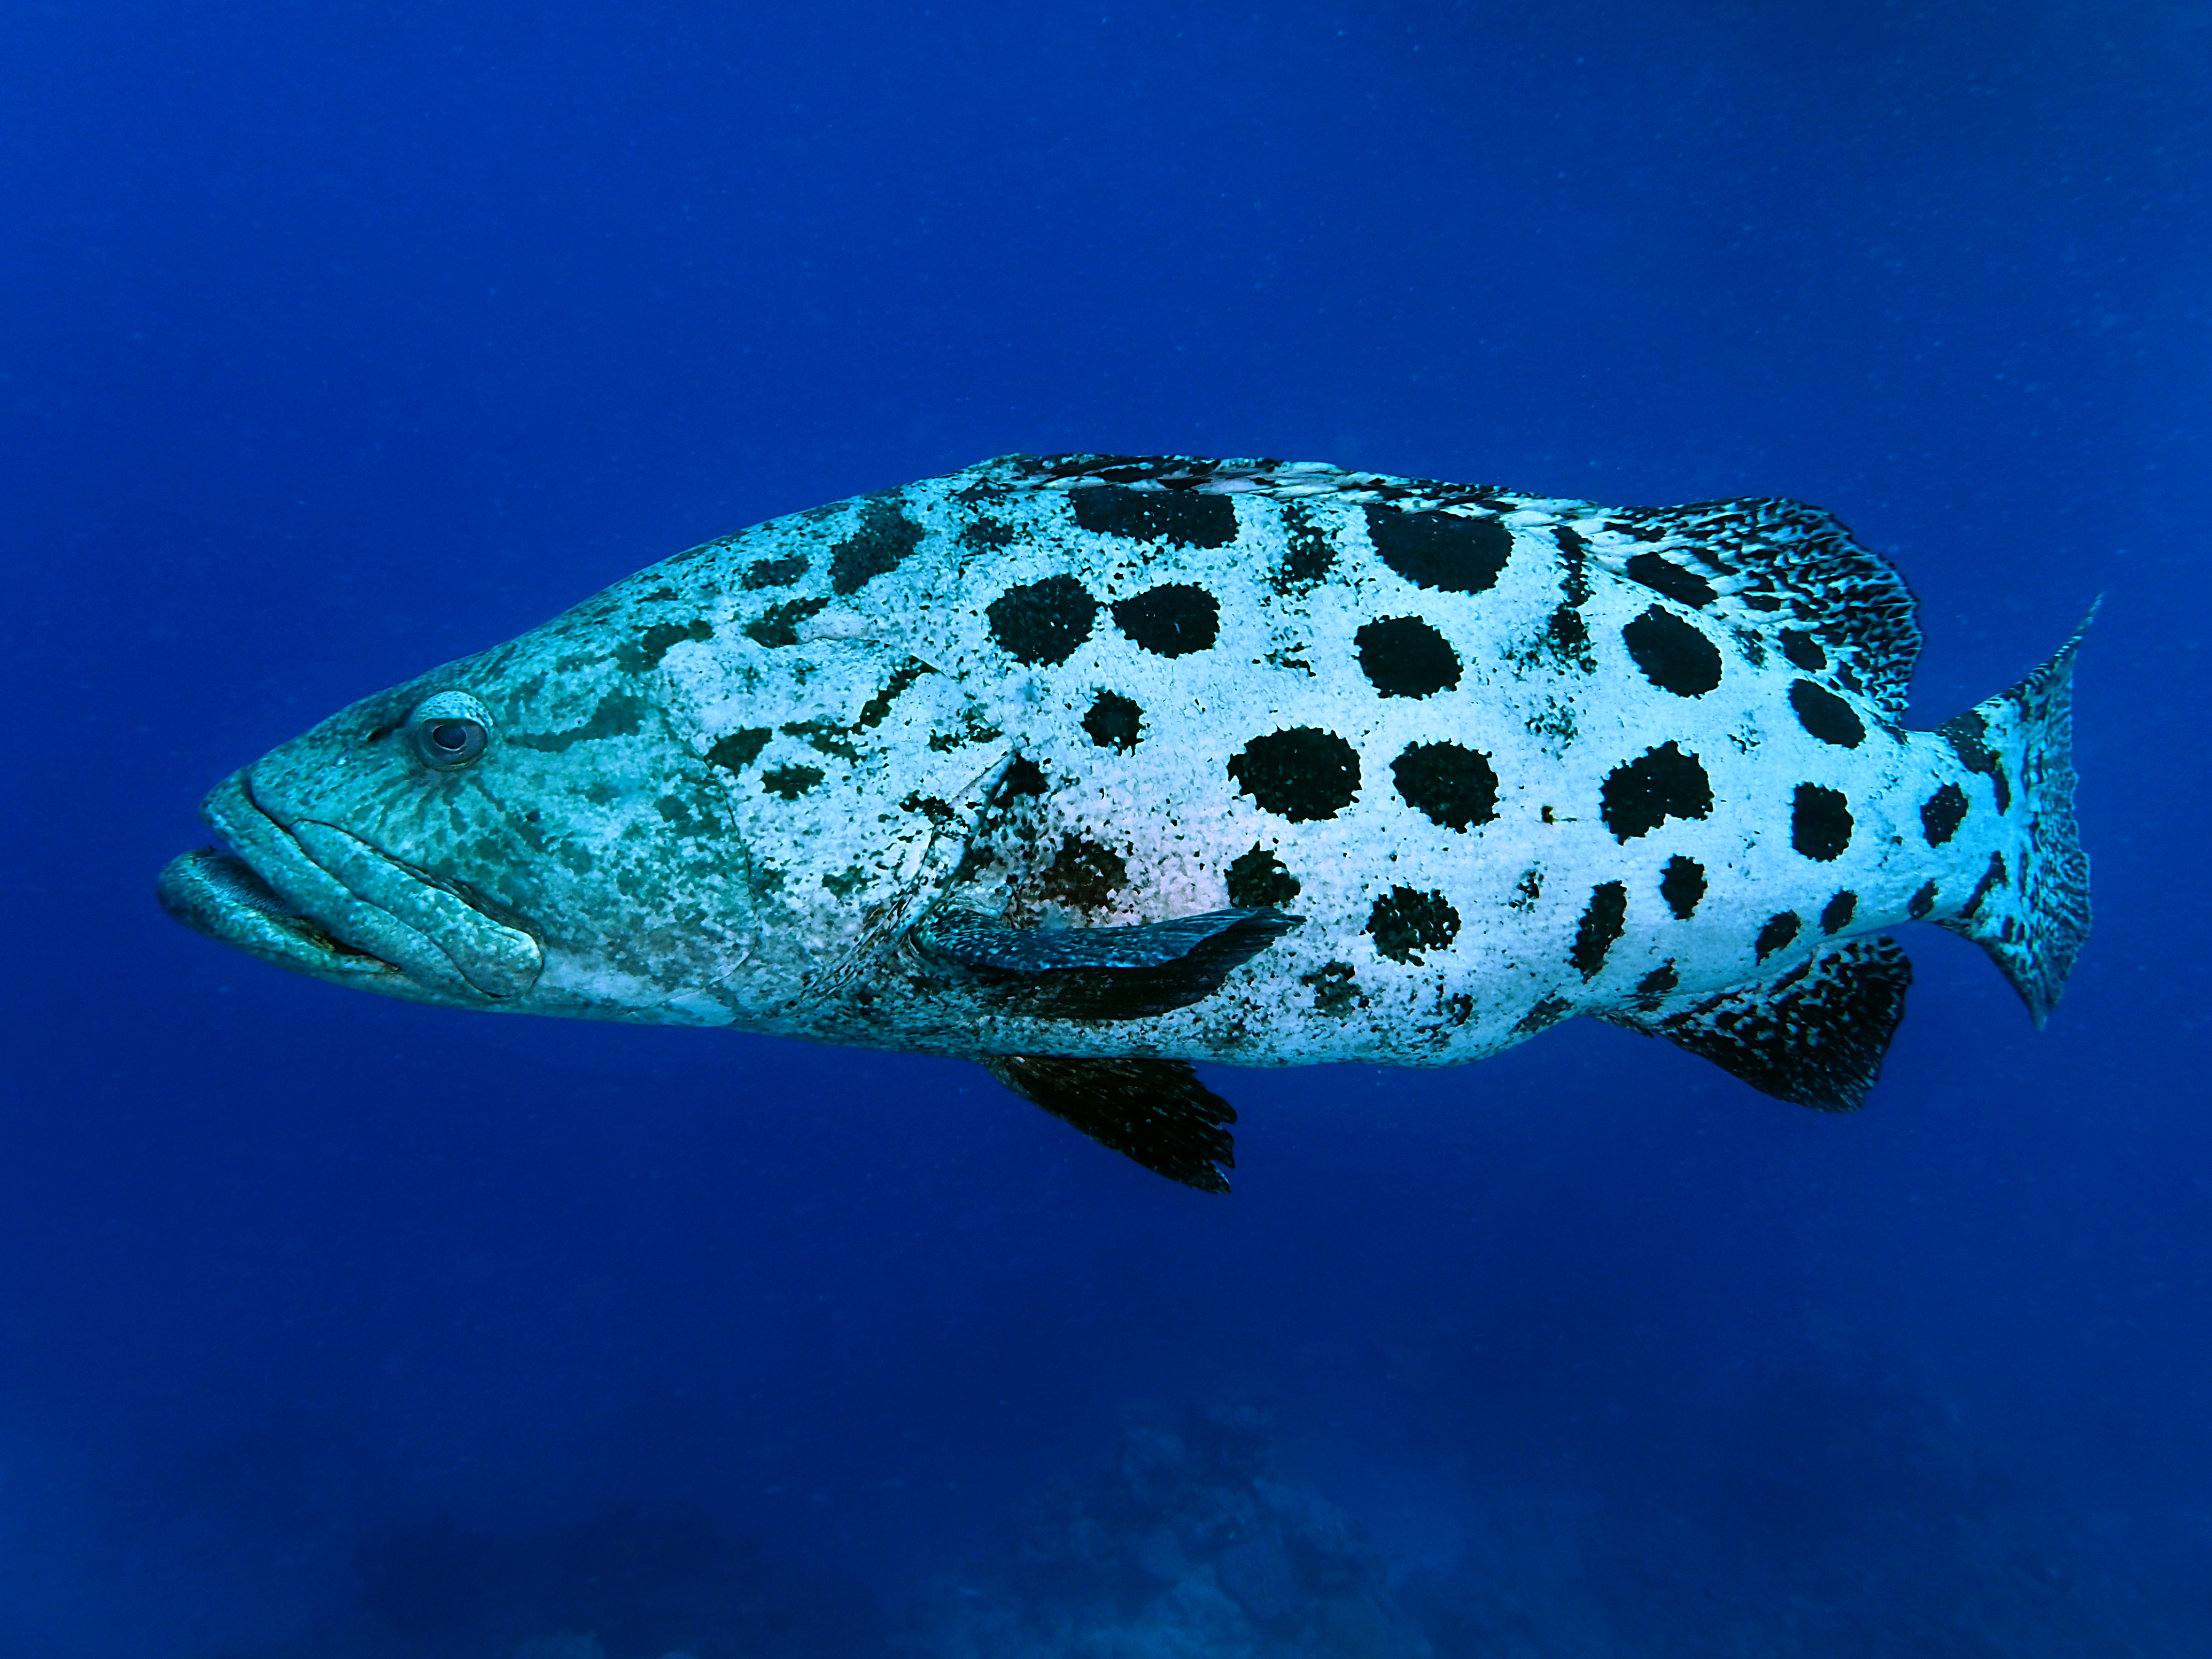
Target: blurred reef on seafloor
(1190,1542)
(1194,1535)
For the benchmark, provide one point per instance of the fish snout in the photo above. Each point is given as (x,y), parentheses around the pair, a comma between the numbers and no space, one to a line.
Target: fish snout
(319,899)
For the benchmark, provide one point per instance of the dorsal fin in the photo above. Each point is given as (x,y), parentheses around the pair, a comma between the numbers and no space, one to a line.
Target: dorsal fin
(1780,567)
(1288,480)
(1815,1036)
(1837,610)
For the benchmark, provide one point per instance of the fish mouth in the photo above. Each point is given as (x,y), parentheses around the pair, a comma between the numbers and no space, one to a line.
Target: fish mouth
(320,901)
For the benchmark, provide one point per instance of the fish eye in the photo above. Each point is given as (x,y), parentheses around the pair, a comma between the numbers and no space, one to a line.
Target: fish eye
(450,742)
(450,729)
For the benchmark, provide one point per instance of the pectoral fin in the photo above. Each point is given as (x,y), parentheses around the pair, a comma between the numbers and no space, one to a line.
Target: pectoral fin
(1154,1111)
(1098,972)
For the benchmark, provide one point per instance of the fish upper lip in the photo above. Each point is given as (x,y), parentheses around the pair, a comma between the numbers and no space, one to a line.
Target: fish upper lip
(315,897)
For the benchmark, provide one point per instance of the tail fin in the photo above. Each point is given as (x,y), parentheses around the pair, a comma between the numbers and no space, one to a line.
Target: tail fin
(2031,925)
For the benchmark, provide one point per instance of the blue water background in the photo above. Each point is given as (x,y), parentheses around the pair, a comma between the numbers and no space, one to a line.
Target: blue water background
(337,341)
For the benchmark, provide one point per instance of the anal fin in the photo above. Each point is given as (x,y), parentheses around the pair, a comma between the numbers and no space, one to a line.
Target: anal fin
(1814,1036)
(1153,1111)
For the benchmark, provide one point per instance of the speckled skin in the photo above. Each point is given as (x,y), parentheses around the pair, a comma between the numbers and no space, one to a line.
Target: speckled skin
(724,791)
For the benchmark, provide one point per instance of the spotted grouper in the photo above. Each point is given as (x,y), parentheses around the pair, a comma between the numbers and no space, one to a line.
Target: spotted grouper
(1089,767)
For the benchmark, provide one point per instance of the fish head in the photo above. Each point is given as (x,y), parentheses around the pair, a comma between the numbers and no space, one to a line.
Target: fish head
(523,831)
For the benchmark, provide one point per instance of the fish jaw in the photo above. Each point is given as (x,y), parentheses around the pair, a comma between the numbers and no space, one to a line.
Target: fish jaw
(319,901)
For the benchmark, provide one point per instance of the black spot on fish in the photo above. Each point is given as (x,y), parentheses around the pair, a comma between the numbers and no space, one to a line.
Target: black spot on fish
(989,492)
(1300,774)
(1405,922)
(1994,876)
(778,625)
(773,573)
(1569,637)
(1043,622)
(619,715)
(1084,874)
(1942,813)
(1682,885)
(937,812)
(1114,721)
(1779,932)
(1258,881)
(1660,981)
(1404,657)
(653,643)
(1454,787)
(882,537)
(1969,737)
(1674,656)
(988,535)
(1441,550)
(1922,902)
(1527,890)
(1836,913)
(974,727)
(1825,715)
(1310,556)
(1662,783)
(1550,1010)
(825,736)
(1148,515)
(1820,822)
(1574,558)
(790,782)
(1684,587)
(740,748)
(1335,988)
(1602,921)
(1172,621)
(1025,777)
(880,703)
(1754,648)
(1566,633)
(1803,651)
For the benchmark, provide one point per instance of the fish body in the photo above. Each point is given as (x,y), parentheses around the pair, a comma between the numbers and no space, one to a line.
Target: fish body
(1091,767)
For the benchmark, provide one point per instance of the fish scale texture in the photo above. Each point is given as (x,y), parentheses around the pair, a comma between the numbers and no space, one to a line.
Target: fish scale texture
(1429,707)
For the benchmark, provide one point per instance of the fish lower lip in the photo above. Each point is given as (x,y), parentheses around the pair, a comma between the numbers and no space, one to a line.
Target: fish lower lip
(316,899)
(215,892)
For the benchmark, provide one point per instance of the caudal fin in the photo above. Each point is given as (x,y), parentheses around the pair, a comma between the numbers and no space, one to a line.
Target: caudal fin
(2031,918)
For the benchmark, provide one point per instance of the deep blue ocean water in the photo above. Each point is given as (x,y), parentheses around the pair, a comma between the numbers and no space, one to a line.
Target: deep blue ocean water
(340,340)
